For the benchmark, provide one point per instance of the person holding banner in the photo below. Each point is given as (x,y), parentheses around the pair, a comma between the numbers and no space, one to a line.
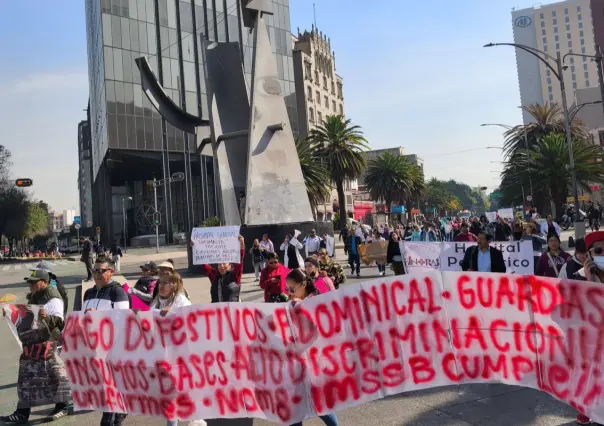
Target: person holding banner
(553,259)
(575,263)
(42,377)
(483,257)
(226,279)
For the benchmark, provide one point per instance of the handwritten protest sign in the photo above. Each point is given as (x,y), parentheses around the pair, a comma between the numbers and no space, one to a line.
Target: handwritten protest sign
(344,348)
(491,216)
(506,213)
(517,255)
(216,245)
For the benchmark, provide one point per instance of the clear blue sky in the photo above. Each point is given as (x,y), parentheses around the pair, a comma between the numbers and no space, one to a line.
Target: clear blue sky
(415,75)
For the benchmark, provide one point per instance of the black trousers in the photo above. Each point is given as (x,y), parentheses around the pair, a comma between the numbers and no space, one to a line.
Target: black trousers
(113,419)
(88,264)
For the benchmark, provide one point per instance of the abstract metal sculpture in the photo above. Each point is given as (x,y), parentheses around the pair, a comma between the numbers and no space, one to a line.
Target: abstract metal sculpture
(253,147)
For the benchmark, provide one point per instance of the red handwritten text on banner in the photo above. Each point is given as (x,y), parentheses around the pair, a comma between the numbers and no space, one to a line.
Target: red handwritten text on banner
(345,348)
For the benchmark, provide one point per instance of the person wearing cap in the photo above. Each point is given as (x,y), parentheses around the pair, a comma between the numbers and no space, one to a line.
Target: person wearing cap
(571,268)
(54,282)
(593,269)
(144,288)
(42,371)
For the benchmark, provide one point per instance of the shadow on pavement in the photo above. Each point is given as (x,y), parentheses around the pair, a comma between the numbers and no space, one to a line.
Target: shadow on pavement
(488,404)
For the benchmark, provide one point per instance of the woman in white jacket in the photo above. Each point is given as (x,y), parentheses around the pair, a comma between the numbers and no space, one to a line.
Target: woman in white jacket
(172,295)
(291,248)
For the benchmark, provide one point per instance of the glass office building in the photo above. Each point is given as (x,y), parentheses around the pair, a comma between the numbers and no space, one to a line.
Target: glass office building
(128,134)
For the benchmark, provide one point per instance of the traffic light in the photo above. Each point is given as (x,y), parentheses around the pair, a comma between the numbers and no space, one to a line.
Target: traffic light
(24,183)
(156,218)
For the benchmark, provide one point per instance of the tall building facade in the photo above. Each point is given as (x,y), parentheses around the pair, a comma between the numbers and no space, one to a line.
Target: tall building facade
(85,173)
(130,141)
(558,28)
(319,89)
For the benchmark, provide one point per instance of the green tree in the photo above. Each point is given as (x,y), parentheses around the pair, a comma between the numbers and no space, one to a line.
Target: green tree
(340,143)
(438,197)
(36,223)
(393,178)
(5,163)
(548,163)
(316,176)
(547,118)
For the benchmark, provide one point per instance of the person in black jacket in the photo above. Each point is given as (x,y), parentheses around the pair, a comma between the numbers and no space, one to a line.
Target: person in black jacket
(482,257)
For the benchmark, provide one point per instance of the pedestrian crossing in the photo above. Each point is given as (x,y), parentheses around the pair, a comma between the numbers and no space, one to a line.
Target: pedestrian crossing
(26,266)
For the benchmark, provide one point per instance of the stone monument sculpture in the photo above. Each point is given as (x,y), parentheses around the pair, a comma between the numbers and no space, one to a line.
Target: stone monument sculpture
(260,182)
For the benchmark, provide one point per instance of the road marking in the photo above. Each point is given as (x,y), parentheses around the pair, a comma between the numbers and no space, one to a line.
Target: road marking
(6,267)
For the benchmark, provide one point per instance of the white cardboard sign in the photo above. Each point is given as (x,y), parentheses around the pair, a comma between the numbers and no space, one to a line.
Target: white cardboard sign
(216,245)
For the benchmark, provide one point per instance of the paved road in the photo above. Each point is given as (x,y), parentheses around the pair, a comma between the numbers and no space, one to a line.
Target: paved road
(496,405)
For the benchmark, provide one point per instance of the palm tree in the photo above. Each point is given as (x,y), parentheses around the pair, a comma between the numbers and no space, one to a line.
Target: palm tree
(340,143)
(392,178)
(548,118)
(548,163)
(316,177)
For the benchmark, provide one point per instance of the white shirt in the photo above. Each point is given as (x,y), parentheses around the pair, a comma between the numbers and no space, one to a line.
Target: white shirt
(179,301)
(312,244)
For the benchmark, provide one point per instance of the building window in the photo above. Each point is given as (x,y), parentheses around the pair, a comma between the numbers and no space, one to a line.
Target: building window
(333,105)
(318,96)
(557,46)
(553,13)
(578,9)
(566,19)
(333,88)
(566,11)
(555,30)
(320,117)
(326,101)
(543,31)
(341,109)
(555,21)
(542,24)
(549,80)
(547,72)
(549,89)
(579,16)
(541,16)
(310,94)
(311,114)
(570,43)
(551,97)
(575,85)
(581,34)
(324,82)
(586,74)
(545,48)
(584,67)
(586,83)
(556,38)
(572,68)
(316,76)
(567,27)
(572,60)
(582,42)
(568,36)
(580,24)
(583,51)
(574,76)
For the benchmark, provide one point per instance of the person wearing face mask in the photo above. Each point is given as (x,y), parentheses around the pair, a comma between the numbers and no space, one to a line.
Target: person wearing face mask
(593,269)
(226,279)
(322,282)
(291,251)
(576,262)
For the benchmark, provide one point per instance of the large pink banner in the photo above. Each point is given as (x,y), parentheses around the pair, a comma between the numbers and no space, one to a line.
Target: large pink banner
(341,349)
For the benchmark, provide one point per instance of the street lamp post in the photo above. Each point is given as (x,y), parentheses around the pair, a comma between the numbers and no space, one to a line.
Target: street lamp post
(125,232)
(539,54)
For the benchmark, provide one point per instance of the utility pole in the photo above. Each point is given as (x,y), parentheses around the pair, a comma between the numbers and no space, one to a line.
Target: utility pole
(598,60)
(176,177)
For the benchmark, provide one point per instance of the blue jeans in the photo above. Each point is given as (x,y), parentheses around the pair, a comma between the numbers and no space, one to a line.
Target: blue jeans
(329,420)
(381,268)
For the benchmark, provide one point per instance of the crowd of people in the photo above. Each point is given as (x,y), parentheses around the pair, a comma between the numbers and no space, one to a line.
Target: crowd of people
(161,288)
